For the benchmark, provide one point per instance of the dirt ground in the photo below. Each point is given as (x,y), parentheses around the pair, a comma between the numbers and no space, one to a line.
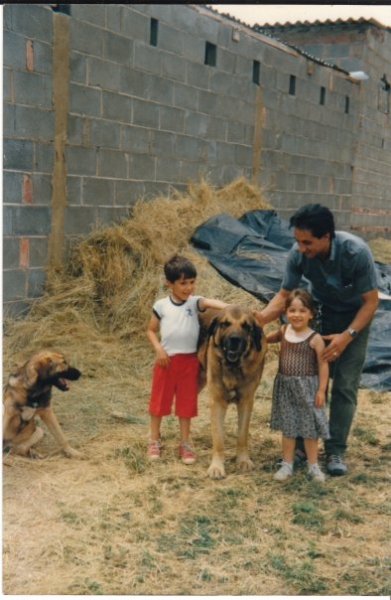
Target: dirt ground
(115,524)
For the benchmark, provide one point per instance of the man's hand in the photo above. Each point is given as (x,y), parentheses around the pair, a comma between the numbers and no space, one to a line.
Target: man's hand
(338,343)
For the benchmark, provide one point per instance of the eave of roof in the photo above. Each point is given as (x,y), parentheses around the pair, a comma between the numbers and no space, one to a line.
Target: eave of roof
(340,23)
(266,31)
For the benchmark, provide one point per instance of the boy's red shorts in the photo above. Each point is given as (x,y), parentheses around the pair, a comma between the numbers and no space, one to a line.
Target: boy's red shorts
(179,379)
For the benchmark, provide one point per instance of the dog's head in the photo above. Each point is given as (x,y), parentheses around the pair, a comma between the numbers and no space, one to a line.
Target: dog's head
(50,367)
(236,333)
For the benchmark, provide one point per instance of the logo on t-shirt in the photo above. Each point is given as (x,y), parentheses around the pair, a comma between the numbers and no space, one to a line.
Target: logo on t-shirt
(189,312)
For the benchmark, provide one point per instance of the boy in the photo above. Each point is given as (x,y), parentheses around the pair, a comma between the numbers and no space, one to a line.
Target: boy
(175,372)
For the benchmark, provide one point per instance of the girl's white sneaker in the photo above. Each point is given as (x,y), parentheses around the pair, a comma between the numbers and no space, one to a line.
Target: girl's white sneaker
(284,472)
(316,473)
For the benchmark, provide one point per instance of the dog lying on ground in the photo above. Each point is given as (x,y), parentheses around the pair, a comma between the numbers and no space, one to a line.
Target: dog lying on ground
(231,350)
(28,394)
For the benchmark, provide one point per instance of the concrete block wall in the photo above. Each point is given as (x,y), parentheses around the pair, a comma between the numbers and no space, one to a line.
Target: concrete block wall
(360,46)
(97,116)
(28,133)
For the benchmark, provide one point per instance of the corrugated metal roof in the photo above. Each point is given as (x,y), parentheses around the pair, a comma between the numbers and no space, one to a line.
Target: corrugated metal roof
(266,30)
(328,23)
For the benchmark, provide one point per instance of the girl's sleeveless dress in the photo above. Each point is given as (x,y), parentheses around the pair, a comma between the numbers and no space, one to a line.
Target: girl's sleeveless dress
(295,386)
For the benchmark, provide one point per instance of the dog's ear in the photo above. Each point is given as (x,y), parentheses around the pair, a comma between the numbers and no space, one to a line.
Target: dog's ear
(256,334)
(213,326)
(32,372)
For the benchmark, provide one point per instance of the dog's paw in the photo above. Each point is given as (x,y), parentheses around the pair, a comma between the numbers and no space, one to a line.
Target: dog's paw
(216,470)
(72,453)
(244,464)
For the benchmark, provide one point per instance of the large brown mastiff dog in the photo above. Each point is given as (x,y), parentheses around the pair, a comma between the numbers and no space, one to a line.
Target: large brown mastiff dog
(231,349)
(28,395)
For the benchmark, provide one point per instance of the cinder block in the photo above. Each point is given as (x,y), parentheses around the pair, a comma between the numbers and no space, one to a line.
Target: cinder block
(10,252)
(128,192)
(73,190)
(81,160)
(18,155)
(145,114)
(135,25)
(167,169)
(26,220)
(97,16)
(136,139)
(14,284)
(98,191)
(34,123)
(163,143)
(185,96)
(105,134)
(33,89)
(143,167)
(174,67)
(79,220)
(172,119)
(104,74)
(12,187)
(38,251)
(171,39)
(85,100)
(161,90)
(35,282)
(117,107)
(77,67)
(147,58)
(43,58)
(85,38)
(112,163)
(43,157)
(41,189)
(117,48)
(33,21)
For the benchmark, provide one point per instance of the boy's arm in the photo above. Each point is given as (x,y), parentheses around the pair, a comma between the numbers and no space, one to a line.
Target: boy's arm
(162,357)
(204,303)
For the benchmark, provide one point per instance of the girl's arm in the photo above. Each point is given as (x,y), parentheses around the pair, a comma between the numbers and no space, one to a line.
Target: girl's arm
(274,337)
(162,357)
(318,345)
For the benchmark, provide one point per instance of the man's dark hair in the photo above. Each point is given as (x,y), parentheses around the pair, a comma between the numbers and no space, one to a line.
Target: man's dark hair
(177,267)
(315,218)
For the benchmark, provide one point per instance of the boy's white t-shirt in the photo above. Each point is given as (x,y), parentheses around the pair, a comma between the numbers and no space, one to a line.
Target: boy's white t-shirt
(179,326)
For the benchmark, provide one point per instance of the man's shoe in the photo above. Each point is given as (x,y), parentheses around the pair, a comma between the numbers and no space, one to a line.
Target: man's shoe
(335,465)
(316,473)
(300,458)
(284,472)
(187,454)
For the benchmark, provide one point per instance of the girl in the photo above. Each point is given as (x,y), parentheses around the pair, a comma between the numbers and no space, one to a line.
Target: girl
(299,391)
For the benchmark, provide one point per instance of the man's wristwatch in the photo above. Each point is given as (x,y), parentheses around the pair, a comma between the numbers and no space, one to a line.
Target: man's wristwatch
(353,333)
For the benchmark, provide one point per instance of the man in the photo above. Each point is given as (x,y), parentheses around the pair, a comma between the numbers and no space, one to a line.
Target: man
(342,277)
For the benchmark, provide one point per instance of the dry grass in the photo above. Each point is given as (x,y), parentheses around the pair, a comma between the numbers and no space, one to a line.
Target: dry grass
(114,523)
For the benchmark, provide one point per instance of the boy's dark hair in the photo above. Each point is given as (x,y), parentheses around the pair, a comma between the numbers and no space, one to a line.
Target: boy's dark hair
(304,296)
(315,218)
(177,267)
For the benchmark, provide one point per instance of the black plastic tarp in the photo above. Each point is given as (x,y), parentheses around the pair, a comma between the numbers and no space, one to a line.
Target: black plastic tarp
(251,253)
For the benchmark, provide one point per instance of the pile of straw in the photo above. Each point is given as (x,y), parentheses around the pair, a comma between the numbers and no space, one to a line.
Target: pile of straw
(103,296)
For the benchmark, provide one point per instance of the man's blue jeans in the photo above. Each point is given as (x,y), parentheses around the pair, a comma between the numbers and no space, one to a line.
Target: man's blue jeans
(345,373)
